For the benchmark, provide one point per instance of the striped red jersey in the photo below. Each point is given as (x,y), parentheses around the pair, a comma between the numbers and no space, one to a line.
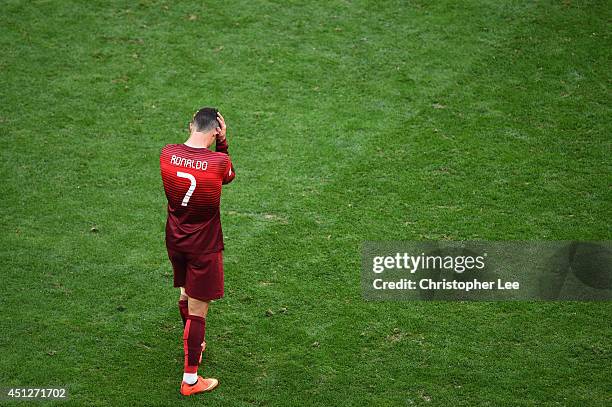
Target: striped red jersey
(192,180)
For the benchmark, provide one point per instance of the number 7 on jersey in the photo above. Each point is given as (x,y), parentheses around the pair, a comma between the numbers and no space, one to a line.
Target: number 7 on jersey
(192,179)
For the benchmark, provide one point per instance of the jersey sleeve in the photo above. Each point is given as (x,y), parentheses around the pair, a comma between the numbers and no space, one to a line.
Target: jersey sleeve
(229,174)
(221,146)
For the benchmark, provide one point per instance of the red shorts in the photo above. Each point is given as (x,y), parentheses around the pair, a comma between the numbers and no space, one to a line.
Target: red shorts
(200,274)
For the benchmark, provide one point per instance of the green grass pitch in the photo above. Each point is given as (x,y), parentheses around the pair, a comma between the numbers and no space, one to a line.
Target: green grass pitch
(348,121)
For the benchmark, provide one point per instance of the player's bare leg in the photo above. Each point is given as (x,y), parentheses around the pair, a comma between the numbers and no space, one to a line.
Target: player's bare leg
(197,307)
(182,304)
(183,295)
(194,344)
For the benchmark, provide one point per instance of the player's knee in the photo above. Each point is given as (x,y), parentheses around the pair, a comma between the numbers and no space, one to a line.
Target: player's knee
(197,307)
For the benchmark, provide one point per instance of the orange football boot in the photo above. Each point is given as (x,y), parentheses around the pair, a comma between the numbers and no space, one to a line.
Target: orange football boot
(200,386)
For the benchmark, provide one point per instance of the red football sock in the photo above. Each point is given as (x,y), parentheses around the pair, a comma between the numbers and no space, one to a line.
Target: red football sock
(183,310)
(193,336)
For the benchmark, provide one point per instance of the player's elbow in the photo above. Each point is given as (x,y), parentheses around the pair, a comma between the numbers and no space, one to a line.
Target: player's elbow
(229,177)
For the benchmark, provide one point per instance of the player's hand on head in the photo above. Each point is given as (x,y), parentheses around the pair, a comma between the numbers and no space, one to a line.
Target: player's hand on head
(221,130)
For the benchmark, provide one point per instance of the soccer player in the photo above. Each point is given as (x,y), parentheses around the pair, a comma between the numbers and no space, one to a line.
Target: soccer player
(192,176)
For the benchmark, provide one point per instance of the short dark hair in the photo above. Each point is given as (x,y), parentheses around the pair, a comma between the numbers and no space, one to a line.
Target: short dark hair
(205,119)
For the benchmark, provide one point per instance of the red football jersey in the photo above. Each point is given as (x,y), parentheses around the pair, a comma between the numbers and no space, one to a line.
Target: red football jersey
(192,180)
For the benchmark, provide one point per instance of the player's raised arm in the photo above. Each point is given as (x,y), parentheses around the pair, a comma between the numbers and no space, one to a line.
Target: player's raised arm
(221,147)
(221,142)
